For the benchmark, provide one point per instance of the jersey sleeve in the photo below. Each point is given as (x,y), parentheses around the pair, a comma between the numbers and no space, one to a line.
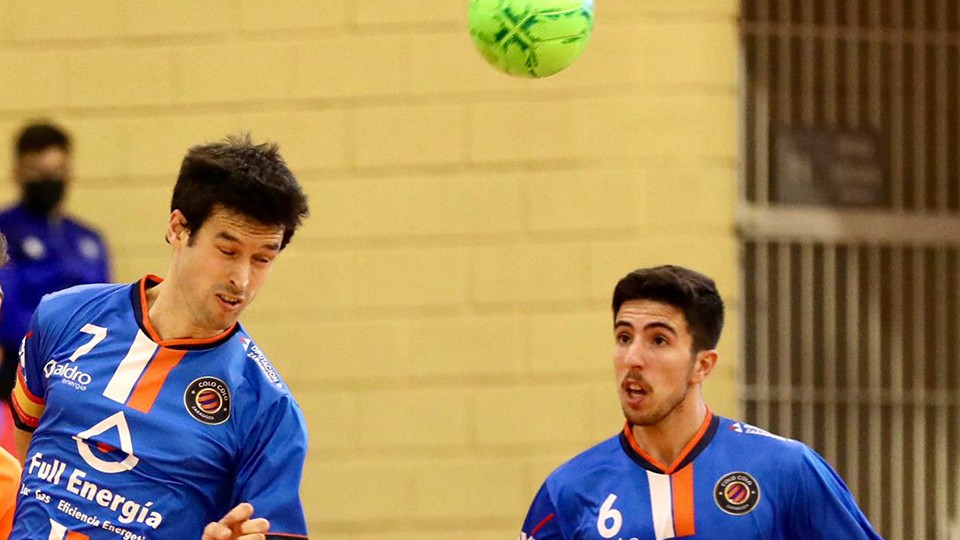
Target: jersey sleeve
(27,400)
(823,507)
(542,522)
(271,467)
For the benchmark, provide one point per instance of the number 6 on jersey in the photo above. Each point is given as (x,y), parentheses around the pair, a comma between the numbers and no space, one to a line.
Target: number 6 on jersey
(609,513)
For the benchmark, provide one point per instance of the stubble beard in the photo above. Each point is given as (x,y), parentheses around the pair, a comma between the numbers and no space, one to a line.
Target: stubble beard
(657,415)
(661,412)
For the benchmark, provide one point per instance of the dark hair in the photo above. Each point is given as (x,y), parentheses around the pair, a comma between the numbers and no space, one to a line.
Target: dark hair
(692,292)
(39,136)
(251,180)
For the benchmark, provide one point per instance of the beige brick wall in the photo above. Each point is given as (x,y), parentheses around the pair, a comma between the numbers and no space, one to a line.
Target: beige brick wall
(443,316)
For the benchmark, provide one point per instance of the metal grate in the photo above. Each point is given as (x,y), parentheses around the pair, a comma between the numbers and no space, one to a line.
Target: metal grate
(852,315)
(851,348)
(884,66)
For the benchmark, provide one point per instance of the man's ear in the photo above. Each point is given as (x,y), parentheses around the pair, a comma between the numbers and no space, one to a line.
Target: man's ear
(703,365)
(177,231)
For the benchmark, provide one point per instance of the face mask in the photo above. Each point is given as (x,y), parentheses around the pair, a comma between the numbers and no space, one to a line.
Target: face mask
(42,196)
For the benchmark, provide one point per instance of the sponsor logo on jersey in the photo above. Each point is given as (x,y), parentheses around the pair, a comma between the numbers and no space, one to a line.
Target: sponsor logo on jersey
(753,430)
(69,374)
(737,493)
(127,509)
(266,367)
(104,457)
(208,400)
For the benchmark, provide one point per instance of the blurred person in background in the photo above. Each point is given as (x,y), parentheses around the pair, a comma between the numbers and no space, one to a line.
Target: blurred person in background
(48,249)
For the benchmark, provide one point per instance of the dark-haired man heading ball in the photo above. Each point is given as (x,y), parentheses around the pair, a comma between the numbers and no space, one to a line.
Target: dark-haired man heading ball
(677,470)
(146,409)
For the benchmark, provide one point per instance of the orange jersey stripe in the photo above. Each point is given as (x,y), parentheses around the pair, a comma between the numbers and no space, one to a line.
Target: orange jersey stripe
(74,535)
(149,385)
(683,515)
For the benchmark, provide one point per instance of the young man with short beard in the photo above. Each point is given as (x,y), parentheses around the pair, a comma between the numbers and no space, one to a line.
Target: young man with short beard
(677,470)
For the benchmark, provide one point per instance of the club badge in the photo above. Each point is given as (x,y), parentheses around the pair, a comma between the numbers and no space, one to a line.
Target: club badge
(208,400)
(737,493)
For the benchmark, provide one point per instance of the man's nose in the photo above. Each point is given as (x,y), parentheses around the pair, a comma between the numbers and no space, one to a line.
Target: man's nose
(633,356)
(240,275)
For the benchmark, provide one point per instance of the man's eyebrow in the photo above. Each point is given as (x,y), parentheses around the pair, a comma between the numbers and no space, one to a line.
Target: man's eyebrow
(227,236)
(660,324)
(224,235)
(648,326)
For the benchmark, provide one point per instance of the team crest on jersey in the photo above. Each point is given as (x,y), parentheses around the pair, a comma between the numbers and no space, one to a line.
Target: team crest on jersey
(208,400)
(737,493)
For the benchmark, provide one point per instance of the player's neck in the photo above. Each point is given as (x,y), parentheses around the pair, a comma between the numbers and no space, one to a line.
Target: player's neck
(667,439)
(168,317)
(159,300)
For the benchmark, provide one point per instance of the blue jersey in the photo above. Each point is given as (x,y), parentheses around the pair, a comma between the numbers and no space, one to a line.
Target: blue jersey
(46,255)
(138,438)
(732,481)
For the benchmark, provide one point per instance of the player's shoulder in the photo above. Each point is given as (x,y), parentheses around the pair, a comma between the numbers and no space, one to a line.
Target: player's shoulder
(599,459)
(743,431)
(65,302)
(758,442)
(61,310)
(255,368)
(261,397)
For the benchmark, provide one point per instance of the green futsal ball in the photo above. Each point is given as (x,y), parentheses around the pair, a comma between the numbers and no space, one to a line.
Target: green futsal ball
(531,38)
